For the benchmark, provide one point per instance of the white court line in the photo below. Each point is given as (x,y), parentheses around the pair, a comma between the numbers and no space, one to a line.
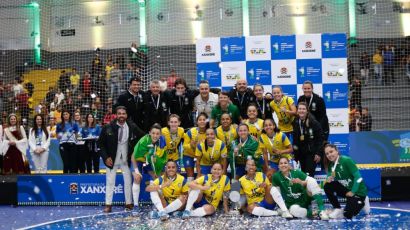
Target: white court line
(70,218)
(109,214)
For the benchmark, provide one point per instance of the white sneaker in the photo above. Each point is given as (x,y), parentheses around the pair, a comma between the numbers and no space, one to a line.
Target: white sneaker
(323,215)
(287,215)
(337,213)
(366,207)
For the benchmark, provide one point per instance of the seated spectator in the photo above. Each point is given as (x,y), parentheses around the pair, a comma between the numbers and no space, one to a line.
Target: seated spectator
(17,86)
(171,79)
(356,123)
(356,94)
(163,83)
(366,120)
(109,116)
(75,80)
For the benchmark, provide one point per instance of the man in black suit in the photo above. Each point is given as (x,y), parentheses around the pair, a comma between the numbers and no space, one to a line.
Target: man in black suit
(133,101)
(116,144)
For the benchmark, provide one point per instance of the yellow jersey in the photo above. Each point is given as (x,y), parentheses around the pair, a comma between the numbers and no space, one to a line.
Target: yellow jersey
(285,120)
(172,142)
(214,195)
(178,187)
(192,134)
(255,129)
(251,189)
(279,142)
(211,155)
(227,136)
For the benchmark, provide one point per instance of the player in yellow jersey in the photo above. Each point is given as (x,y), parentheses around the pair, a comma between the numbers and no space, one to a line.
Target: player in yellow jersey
(227,132)
(192,138)
(207,192)
(208,152)
(254,123)
(168,192)
(274,144)
(260,194)
(173,136)
(285,109)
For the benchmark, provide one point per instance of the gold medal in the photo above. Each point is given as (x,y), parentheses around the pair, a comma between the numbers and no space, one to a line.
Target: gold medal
(302,137)
(333,174)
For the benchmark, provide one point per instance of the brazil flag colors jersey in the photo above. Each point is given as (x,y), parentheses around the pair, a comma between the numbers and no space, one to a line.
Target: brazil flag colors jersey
(172,142)
(285,120)
(145,151)
(175,189)
(254,194)
(255,129)
(214,195)
(347,173)
(292,193)
(192,134)
(211,155)
(279,142)
(227,136)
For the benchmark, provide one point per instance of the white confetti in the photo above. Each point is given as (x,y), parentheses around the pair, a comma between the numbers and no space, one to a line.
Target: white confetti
(36,190)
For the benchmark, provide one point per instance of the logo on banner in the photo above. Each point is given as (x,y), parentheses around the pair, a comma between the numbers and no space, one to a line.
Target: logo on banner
(226,49)
(208,51)
(73,188)
(202,75)
(326,44)
(275,47)
(308,47)
(284,73)
(98,188)
(336,95)
(233,76)
(258,51)
(251,73)
(335,73)
(301,71)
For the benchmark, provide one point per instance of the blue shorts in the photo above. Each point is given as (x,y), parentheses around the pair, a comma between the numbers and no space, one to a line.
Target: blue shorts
(264,204)
(189,162)
(205,169)
(201,203)
(240,170)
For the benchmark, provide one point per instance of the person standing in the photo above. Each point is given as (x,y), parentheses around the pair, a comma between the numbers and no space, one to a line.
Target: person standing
(364,67)
(308,140)
(14,150)
(116,143)
(133,101)
(66,133)
(285,110)
(378,66)
(241,96)
(39,142)
(224,106)
(181,102)
(155,108)
(264,109)
(316,106)
(206,100)
(90,133)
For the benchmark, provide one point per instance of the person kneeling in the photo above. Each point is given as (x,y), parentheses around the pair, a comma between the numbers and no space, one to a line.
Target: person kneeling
(168,192)
(260,194)
(344,180)
(207,192)
(297,189)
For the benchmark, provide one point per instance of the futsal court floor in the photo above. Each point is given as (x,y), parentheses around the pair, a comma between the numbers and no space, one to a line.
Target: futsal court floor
(384,215)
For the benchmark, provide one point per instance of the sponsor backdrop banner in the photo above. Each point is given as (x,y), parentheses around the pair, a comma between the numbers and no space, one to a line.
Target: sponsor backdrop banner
(285,60)
(70,189)
(90,189)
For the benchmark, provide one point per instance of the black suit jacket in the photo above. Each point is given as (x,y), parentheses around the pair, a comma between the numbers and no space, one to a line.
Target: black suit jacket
(134,106)
(108,140)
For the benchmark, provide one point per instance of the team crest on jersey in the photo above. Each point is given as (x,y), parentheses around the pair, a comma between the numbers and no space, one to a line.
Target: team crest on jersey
(179,185)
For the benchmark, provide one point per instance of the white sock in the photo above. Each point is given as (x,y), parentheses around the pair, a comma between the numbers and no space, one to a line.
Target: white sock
(175,205)
(312,186)
(259,211)
(189,179)
(199,212)
(277,197)
(156,200)
(192,197)
(135,193)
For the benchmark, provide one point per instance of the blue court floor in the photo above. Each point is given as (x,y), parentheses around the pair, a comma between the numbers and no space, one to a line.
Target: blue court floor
(384,215)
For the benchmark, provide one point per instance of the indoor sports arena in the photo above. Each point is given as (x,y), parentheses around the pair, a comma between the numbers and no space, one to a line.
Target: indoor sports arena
(204,114)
